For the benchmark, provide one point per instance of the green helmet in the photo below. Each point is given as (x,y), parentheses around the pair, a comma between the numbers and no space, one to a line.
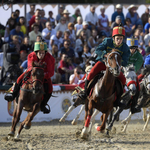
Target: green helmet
(40,46)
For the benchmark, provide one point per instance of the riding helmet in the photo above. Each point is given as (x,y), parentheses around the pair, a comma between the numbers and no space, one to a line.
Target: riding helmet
(118,30)
(132,42)
(40,46)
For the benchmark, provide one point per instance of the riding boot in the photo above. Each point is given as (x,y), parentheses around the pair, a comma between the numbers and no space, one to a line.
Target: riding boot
(85,93)
(44,103)
(14,94)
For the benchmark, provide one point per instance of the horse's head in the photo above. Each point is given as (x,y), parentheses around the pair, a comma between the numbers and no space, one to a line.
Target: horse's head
(147,83)
(131,79)
(37,76)
(113,62)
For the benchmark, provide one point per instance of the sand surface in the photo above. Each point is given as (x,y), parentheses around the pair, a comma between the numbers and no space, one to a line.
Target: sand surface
(64,136)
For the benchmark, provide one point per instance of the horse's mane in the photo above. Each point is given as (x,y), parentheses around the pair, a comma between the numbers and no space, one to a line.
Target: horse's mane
(38,64)
(145,70)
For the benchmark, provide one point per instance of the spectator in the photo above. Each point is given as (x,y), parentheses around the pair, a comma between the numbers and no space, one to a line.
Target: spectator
(139,35)
(51,19)
(48,32)
(33,34)
(58,17)
(23,25)
(145,16)
(32,20)
(118,12)
(24,65)
(56,40)
(147,25)
(116,23)
(67,38)
(9,27)
(29,15)
(93,40)
(55,53)
(147,59)
(23,56)
(85,28)
(66,49)
(14,46)
(13,16)
(26,46)
(62,25)
(17,12)
(70,65)
(104,23)
(62,68)
(16,31)
(74,78)
(38,22)
(1,43)
(67,17)
(82,40)
(133,15)
(147,38)
(79,25)
(129,28)
(72,32)
(92,19)
(2,29)
(76,15)
(43,19)
(86,54)
(39,38)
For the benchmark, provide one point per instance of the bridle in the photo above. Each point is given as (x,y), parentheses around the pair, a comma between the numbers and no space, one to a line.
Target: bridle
(107,63)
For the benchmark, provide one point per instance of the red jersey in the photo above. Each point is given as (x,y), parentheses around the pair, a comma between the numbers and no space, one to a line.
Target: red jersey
(48,59)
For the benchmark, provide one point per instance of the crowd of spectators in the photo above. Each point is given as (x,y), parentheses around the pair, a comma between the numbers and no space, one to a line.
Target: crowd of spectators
(70,39)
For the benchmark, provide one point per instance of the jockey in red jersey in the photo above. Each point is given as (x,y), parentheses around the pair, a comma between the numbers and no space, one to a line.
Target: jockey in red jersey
(40,54)
(116,42)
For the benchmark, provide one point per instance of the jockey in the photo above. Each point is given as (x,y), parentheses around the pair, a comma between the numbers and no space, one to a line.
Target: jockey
(40,54)
(116,42)
(135,57)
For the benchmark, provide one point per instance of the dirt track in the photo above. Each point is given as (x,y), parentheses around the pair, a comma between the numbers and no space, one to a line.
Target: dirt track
(55,136)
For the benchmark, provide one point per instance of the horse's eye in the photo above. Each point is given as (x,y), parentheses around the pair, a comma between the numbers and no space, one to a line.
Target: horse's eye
(110,57)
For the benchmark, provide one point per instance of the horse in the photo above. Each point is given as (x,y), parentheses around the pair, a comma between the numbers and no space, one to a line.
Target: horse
(145,97)
(30,98)
(132,93)
(104,92)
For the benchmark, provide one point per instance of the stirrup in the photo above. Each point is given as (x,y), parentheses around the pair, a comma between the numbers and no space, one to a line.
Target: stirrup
(45,110)
(9,98)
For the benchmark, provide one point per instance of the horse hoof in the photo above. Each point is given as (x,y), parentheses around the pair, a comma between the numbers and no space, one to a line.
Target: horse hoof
(74,122)
(17,136)
(84,136)
(12,133)
(27,127)
(108,128)
(62,120)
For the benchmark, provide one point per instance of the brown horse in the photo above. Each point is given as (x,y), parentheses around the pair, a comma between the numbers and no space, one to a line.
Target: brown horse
(30,98)
(103,95)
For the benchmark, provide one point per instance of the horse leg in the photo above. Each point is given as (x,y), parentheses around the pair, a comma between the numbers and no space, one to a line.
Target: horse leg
(67,113)
(147,120)
(36,109)
(144,115)
(126,122)
(74,122)
(93,119)
(85,131)
(16,117)
(118,111)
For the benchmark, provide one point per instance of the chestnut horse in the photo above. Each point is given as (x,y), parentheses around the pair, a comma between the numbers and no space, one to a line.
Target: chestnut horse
(30,98)
(103,95)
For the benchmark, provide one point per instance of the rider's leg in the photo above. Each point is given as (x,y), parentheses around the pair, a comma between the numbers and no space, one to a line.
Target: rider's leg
(141,100)
(48,92)
(99,66)
(126,96)
(16,89)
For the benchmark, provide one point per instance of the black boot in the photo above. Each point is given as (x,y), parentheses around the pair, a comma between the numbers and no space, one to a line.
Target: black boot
(44,103)
(85,93)
(13,95)
(138,106)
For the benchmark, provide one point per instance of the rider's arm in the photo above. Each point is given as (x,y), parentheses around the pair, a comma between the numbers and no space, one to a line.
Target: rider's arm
(50,61)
